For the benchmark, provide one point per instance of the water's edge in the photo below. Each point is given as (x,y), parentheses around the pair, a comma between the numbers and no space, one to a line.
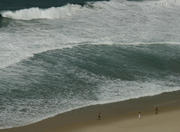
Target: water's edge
(145,103)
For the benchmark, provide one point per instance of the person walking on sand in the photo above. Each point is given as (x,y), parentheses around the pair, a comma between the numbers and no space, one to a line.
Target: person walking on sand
(139,115)
(156,110)
(99,116)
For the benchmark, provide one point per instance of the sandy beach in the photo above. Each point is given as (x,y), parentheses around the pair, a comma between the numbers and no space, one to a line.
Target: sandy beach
(116,117)
(165,122)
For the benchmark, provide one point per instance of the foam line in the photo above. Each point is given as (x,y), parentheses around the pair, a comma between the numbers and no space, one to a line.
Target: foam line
(37,13)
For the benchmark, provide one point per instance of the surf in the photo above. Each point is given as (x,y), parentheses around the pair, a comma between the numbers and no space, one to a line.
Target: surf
(84,75)
(24,4)
(62,57)
(37,13)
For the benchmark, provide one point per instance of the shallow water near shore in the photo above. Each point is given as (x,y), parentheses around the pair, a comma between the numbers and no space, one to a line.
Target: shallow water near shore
(58,58)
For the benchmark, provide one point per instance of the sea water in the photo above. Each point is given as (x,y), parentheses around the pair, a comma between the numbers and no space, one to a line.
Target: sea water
(56,56)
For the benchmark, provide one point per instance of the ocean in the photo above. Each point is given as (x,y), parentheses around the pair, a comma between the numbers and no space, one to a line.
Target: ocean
(60,55)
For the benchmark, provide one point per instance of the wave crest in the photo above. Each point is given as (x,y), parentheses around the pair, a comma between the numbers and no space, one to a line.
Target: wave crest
(37,13)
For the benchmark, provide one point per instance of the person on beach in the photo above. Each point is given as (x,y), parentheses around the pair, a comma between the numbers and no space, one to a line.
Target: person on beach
(156,110)
(139,115)
(99,116)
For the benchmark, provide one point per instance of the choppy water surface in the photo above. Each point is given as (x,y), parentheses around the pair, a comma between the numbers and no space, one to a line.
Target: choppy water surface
(58,56)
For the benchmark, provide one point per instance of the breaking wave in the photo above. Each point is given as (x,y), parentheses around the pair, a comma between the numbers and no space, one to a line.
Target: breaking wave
(59,80)
(78,55)
(37,13)
(25,4)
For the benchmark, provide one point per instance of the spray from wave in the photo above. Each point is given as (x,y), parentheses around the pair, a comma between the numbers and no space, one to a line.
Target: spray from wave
(51,66)
(37,13)
(63,11)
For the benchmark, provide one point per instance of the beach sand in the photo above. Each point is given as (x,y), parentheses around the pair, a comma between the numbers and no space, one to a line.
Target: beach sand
(116,117)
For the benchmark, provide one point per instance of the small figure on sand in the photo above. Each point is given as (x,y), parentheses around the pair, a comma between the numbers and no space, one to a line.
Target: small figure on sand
(99,116)
(139,115)
(156,110)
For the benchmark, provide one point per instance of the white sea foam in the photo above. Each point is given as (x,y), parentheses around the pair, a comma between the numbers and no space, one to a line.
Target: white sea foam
(37,13)
(65,11)
(167,3)
(113,22)
(107,92)
(118,90)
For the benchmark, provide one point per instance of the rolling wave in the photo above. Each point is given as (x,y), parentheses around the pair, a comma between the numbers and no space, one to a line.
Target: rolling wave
(76,55)
(65,10)
(113,22)
(37,13)
(55,81)
(23,4)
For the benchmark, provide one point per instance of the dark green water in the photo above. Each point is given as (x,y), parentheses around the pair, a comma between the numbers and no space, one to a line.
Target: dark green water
(59,55)
(22,4)
(67,78)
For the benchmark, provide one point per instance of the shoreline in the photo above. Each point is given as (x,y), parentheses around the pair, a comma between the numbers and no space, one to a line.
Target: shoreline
(86,117)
